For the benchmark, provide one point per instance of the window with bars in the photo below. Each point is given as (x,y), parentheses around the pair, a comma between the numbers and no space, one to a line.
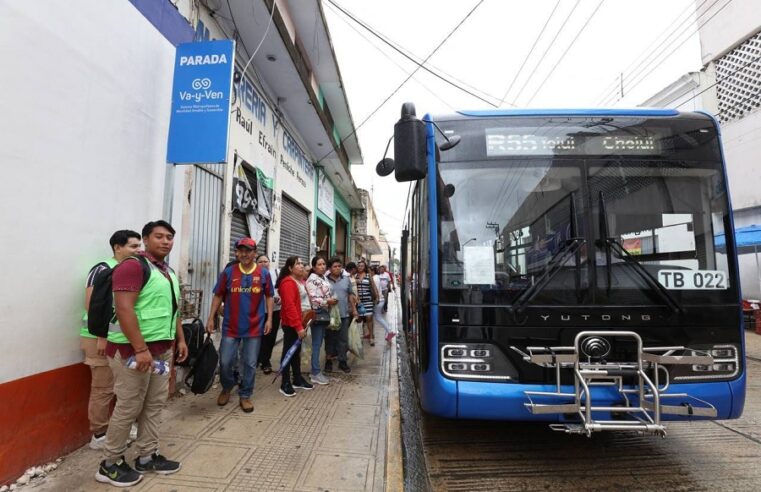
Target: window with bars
(739,80)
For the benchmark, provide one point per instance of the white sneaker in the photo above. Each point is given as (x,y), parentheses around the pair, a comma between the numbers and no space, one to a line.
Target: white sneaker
(133,433)
(319,379)
(97,442)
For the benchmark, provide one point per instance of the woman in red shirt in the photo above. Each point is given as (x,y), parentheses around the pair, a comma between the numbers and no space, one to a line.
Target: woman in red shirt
(291,320)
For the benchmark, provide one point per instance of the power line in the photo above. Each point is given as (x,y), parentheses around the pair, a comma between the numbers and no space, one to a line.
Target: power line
(385,55)
(541,58)
(637,77)
(528,55)
(636,80)
(606,93)
(568,48)
(416,62)
(719,81)
(404,81)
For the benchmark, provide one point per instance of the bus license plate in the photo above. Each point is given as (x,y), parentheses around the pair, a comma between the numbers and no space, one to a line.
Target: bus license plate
(693,279)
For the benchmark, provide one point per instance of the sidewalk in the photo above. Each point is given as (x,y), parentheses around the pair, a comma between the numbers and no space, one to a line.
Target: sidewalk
(331,438)
(752,344)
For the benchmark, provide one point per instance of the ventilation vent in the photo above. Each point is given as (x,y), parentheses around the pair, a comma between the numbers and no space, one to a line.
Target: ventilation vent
(739,89)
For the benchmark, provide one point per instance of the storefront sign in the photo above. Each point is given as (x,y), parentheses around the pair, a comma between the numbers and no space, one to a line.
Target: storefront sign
(325,195)
(200,120)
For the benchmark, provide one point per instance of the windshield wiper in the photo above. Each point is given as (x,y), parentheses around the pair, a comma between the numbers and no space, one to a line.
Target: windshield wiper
(609,244)
(570,249)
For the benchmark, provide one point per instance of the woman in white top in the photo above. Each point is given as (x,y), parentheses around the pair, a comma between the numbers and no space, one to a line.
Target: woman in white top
(378,311)
(322,299)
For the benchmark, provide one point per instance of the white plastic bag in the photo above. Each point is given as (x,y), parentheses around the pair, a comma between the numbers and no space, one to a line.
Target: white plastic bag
(306,350)
(355,339)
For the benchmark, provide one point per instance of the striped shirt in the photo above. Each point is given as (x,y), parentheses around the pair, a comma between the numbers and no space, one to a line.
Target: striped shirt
(244,296)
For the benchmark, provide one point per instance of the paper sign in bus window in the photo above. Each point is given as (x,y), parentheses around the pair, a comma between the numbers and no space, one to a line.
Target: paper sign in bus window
(479,265)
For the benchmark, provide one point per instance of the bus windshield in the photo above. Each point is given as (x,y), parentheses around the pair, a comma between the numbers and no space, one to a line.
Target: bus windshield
(583,211)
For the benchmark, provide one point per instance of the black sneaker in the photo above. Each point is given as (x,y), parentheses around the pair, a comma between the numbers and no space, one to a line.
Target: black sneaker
(328,366)
(302,384)
(120,474)
(158,464)
(344,367)
(287,390)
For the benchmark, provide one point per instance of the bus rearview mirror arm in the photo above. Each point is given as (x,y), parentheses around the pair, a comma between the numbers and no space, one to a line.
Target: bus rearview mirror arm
(387,165)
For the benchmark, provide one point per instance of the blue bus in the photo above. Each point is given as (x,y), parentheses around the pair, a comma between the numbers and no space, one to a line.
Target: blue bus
(565,266)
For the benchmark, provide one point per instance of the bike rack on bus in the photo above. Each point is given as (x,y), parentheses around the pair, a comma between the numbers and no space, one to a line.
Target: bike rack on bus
(642,415)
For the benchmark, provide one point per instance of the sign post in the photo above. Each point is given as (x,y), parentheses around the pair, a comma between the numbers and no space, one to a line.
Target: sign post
(200,121)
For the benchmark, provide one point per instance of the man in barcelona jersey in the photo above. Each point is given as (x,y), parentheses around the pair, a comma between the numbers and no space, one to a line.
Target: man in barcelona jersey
(246,290)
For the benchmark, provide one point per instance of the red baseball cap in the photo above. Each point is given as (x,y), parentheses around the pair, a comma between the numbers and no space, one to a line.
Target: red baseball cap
(245,242)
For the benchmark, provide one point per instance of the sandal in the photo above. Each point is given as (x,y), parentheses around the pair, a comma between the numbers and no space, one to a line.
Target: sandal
(372,342)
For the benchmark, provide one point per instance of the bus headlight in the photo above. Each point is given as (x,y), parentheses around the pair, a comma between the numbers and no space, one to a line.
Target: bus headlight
(726,365)
(477,361)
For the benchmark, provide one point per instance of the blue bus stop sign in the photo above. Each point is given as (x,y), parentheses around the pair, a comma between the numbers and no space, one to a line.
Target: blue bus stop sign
(199,126)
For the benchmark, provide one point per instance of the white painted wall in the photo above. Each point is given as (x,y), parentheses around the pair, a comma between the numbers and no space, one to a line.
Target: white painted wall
(734,22)
(742,150)
(84,112)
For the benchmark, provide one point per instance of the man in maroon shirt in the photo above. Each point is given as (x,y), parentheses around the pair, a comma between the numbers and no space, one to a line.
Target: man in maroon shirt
(140,393)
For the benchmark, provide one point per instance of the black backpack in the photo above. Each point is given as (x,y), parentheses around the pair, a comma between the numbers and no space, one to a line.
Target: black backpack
(194,333)
(101,312)
(201,375)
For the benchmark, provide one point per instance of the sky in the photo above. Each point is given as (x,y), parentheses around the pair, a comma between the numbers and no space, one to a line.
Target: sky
(584,49)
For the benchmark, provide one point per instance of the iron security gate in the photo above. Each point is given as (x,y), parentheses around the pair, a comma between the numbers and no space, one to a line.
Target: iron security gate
(294,232)
(205,217)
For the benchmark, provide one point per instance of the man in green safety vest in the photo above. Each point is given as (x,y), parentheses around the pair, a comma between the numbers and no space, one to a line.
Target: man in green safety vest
(139,351)
(124,244)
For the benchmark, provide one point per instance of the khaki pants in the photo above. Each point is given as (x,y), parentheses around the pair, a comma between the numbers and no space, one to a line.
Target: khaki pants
(140,397)
(101,386)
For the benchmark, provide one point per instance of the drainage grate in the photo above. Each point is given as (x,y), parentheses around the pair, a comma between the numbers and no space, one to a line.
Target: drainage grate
(739,89)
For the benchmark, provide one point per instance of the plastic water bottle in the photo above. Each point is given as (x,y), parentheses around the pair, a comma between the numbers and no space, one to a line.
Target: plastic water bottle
(160,367)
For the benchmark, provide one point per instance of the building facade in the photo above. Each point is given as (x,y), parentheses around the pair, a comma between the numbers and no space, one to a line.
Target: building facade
(87,131)
(729,87)
(291,138)
(366,231)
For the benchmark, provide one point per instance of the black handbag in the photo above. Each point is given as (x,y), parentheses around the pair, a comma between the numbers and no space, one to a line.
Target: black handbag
(321,316)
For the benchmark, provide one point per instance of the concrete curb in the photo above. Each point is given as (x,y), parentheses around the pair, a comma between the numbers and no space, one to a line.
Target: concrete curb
(394,457)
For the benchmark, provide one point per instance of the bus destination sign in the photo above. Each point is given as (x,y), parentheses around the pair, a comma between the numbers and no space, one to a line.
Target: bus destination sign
(502,142)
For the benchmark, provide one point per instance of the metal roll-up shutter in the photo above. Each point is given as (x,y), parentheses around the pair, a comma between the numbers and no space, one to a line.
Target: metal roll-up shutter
(238,229)
(294,231)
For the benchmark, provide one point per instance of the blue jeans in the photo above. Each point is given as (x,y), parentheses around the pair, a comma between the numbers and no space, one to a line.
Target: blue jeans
(318,334)
(228,355)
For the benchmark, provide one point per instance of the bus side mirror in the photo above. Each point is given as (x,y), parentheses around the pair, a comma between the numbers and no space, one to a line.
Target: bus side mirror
(409,146)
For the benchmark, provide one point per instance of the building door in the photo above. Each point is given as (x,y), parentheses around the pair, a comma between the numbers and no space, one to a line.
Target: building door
(323,239)
(294,231)
(341,238)
(205,219)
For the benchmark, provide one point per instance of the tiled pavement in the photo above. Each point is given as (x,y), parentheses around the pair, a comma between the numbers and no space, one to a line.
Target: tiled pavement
(330,438)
